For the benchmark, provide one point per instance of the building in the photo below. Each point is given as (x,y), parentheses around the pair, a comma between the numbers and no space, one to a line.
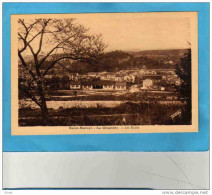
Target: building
(119,78)
(75,85)
(73,76)
(134,88)
(104,85)
(120,85)
(98,85)
(147,83)
(103,76)
(129,78)
(87,86)
(111,76)
(162,88)
(108,85)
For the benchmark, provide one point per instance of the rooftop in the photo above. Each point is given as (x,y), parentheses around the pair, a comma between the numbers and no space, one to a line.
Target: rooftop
(75,82)
(100,82)
(120,83)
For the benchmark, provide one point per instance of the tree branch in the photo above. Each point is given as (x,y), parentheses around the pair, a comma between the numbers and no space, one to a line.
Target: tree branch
(42,34)
(27,93)
(28,42)
(52,50)
(26,67)
(56,61)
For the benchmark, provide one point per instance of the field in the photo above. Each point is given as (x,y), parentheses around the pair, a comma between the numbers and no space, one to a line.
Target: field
(67,95)
(126,113)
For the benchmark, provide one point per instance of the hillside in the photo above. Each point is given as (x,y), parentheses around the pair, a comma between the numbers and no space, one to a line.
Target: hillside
(170,52)
(118,60)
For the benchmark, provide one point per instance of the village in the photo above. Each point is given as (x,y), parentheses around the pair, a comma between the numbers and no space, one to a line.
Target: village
(133,80)
(123,96)
(107,98)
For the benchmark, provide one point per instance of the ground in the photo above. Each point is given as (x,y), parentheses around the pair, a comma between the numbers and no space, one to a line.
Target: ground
(144,108)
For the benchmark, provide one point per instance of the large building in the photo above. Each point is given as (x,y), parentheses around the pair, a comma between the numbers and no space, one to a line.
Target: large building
(98,85)
(120,86)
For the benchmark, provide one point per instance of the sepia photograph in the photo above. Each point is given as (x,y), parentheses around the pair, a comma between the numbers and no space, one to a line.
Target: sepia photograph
(104,73)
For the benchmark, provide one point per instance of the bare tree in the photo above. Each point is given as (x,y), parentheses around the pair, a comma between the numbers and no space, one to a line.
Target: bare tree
(52,40)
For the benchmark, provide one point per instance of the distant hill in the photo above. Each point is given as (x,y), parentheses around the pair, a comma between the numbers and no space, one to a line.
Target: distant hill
(30,58)
(119,60)
(170,52)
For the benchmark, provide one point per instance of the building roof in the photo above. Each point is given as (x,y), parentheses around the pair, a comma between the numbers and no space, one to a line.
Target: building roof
(100,82)
(120,83)
(75,83)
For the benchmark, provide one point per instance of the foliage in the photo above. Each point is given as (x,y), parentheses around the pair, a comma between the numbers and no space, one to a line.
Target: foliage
(50,42)
(183,70)
(133,114)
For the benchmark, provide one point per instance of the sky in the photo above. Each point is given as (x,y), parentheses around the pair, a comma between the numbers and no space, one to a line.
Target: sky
(140,31)
(136,31)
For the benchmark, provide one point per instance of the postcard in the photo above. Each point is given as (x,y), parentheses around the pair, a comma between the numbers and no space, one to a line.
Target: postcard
(104,73)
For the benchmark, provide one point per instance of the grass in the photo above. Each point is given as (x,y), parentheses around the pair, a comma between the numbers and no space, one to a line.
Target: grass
(125,114)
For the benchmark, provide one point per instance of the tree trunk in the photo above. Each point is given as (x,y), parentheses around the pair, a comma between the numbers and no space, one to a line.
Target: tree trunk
(44,110)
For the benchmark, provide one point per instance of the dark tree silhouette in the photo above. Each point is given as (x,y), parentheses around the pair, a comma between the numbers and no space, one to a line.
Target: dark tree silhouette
(183,70)
(65,82)
(52,40)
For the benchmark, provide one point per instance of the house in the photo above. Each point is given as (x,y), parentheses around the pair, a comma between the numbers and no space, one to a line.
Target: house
(141,72)
(103,76)
(87,86)
(129,78)
(75,85)
(108,85)
(73,76)
(98,85)
(162,88)
(110,76)
(119,78)
(120,85)
(134,88)
(147,83)
(151,81)
(105,85)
